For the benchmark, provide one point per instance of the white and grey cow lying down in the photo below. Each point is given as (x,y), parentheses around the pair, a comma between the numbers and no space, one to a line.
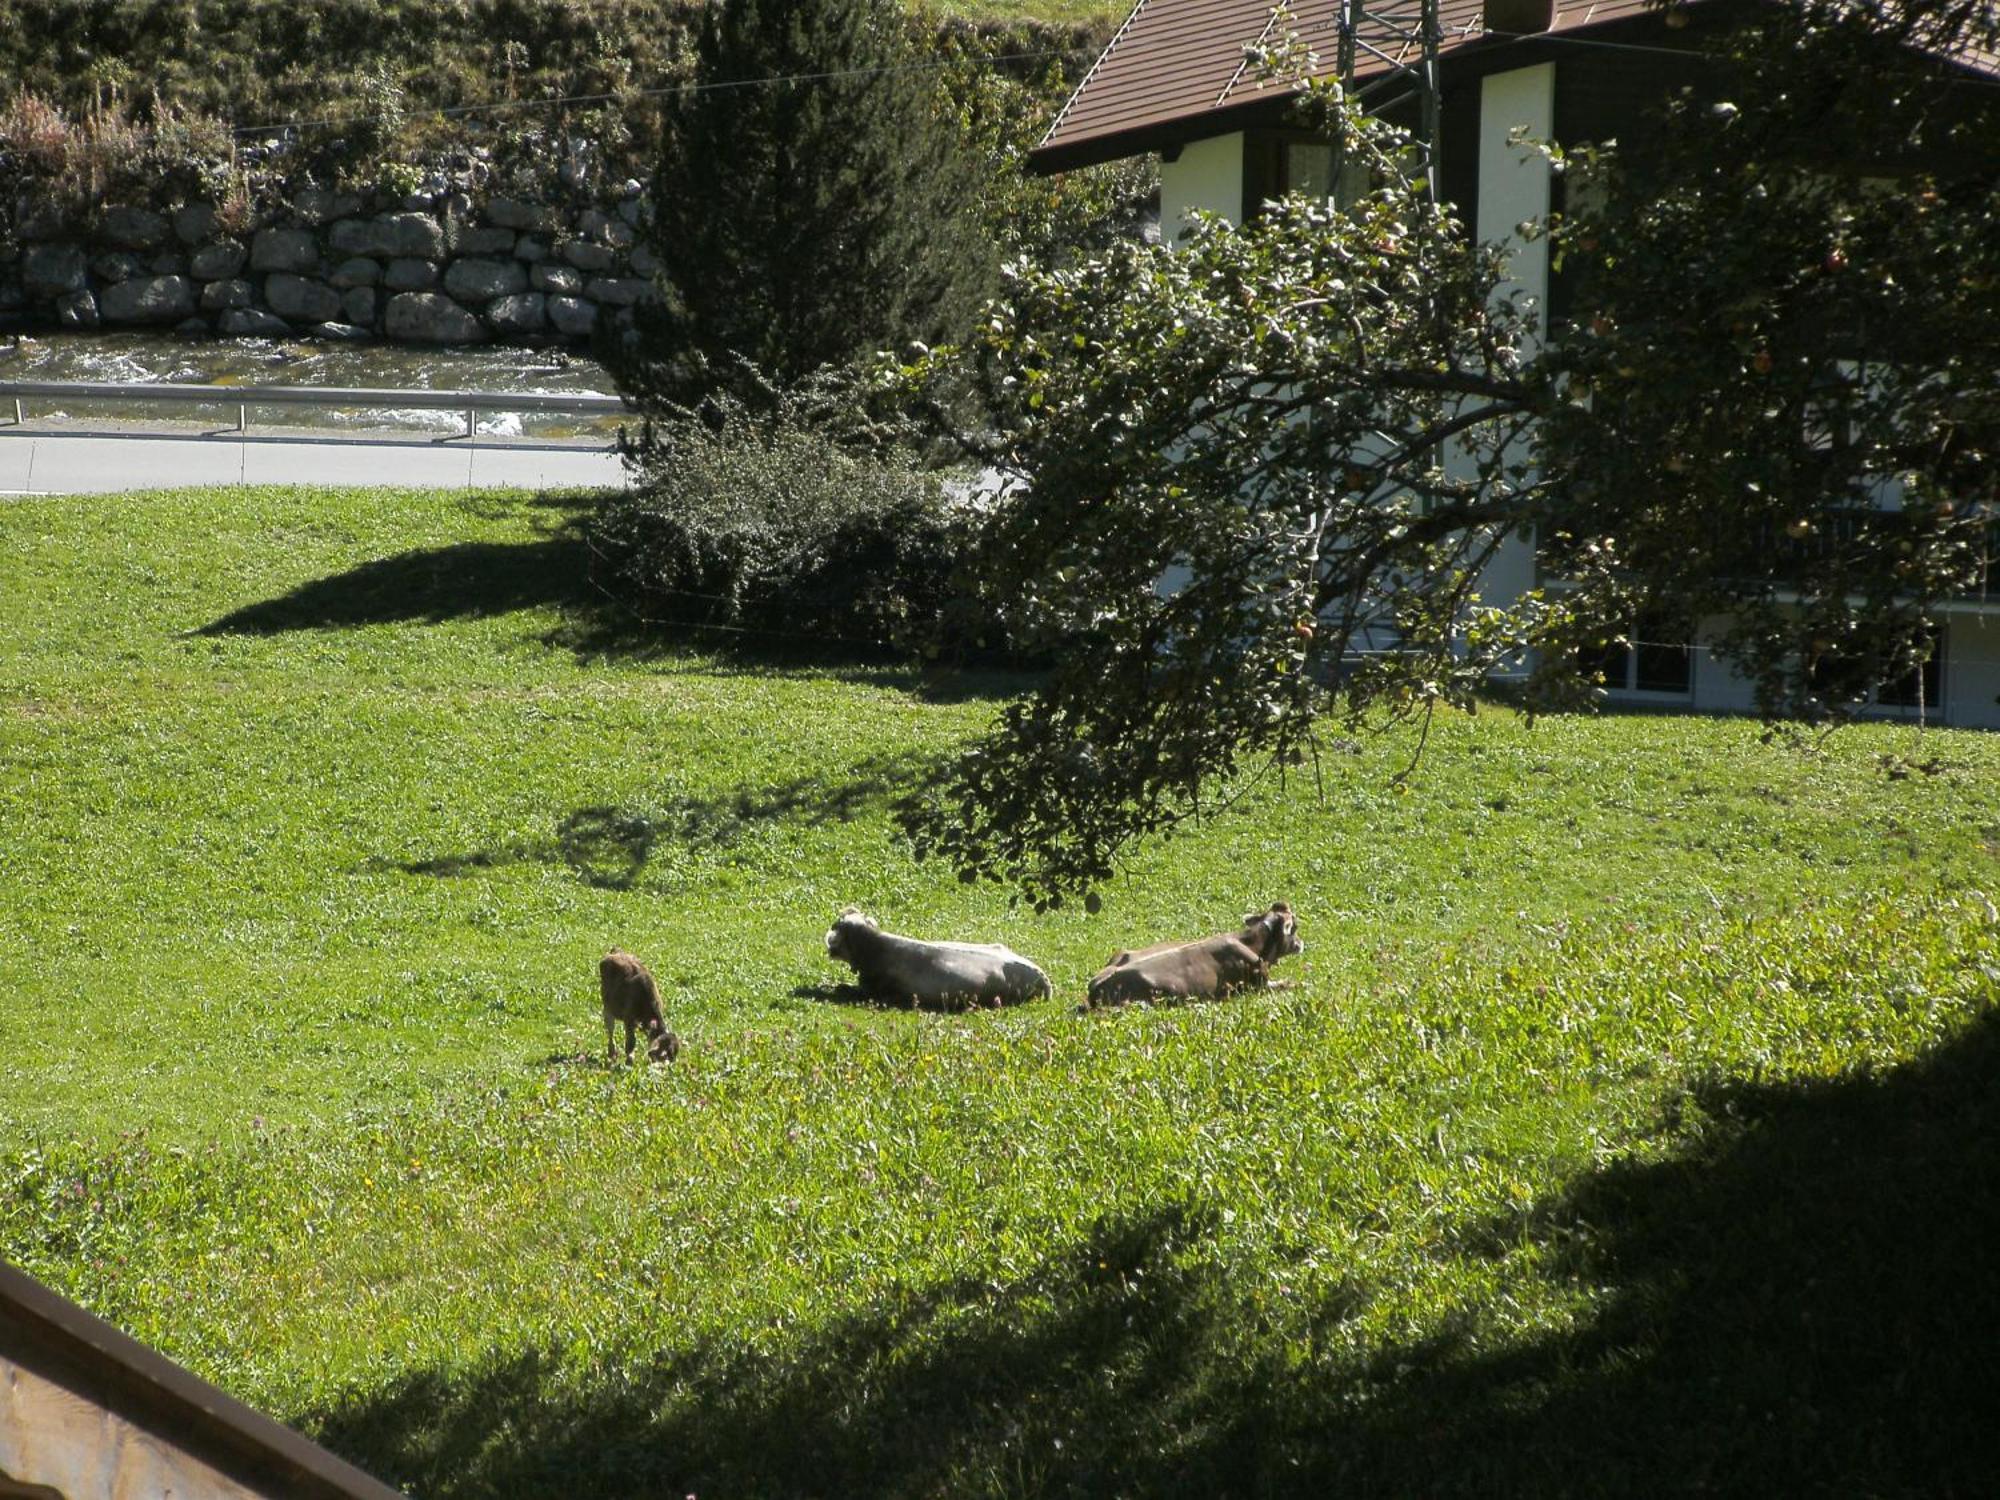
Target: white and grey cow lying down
(907,971)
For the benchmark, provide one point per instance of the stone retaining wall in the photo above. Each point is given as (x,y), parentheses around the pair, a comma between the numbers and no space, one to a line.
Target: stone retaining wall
(429,268)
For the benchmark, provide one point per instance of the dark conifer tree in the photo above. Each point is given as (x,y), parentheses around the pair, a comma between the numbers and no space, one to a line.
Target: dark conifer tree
(813,202)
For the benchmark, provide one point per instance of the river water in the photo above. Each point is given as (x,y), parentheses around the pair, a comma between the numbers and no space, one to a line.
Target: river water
(130,357)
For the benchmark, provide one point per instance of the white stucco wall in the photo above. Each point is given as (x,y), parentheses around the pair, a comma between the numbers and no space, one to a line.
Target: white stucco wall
(1514,179)
(1207,175)
(1514,187)
(1971,677)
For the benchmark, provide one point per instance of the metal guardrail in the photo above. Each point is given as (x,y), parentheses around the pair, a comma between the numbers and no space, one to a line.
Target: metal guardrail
(243,397)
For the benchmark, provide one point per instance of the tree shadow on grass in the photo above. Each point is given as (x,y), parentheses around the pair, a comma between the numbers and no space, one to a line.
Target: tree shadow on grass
(1802,1304)
(466,579)
(610,847)
(949,1390)
(560,570)
(602,629)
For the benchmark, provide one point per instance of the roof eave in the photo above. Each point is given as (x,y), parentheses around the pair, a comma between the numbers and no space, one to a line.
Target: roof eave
(1165,136)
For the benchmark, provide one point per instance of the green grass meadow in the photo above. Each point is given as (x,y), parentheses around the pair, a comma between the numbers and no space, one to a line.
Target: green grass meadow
(1633,1125)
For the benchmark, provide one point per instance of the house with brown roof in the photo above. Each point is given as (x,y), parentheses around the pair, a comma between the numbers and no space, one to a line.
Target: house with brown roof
(1176,80)
(87,1413)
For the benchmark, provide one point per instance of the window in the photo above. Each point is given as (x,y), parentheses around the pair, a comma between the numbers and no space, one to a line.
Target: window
(1917,692)
(1920,688)
(1276,163)
(1655,658)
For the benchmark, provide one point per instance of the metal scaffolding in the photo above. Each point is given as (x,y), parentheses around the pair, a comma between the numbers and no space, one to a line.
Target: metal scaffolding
(1403,36)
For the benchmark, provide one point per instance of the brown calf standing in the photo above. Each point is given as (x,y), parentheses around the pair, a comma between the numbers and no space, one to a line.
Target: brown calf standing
(631,995)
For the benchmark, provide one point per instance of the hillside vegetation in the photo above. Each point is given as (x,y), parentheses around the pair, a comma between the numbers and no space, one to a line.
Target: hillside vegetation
(1632,1123)
(265,62)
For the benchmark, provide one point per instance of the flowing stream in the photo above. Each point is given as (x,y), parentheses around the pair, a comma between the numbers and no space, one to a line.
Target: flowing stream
(135,357)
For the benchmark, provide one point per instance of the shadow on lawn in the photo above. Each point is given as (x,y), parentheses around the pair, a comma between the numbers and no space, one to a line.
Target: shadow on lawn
(481,579)
(467,579)
(855,995)
(610,847)
(1803,1304)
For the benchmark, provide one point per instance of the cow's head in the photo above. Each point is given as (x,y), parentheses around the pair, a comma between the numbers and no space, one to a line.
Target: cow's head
(1273,933)
(839,936)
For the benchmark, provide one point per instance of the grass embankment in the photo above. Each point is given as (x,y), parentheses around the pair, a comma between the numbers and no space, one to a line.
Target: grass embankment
(1633,1124)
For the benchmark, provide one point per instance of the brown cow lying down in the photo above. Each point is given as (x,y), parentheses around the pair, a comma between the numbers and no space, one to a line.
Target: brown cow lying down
(1205,969)
(903,971)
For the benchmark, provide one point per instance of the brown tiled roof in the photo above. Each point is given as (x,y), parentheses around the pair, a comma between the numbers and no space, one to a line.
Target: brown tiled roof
(1176,68)
(1177,61)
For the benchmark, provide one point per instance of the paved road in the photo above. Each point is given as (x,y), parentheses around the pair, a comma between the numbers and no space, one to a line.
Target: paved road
(41,461)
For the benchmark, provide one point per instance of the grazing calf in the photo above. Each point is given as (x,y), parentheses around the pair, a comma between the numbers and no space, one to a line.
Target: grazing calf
(632,996)
(1205,969)
(903,971)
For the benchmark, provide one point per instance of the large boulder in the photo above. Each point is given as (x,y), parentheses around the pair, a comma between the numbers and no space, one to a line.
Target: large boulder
(194,222)
(284,250)
(298,299)
(564,281)
(148,299)
(431,318)
(482,280)
(217,261)
(513,213)
(572,316)
(586,256)
(408,274)
(487,240)
(38,218)
(619,291)
(368,237)
(77,311)
(252,323)
(132,228)
(360,306)
(53,270)
(356,270)
(522,312)
(116,265)
(218,296)
(318,206)
(413,234)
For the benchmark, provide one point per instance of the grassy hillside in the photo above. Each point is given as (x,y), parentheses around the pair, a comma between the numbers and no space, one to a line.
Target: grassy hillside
(1632,1124)
(265,61)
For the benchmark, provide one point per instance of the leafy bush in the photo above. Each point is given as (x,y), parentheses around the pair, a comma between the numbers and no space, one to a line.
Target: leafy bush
(764,524)
(110,148)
